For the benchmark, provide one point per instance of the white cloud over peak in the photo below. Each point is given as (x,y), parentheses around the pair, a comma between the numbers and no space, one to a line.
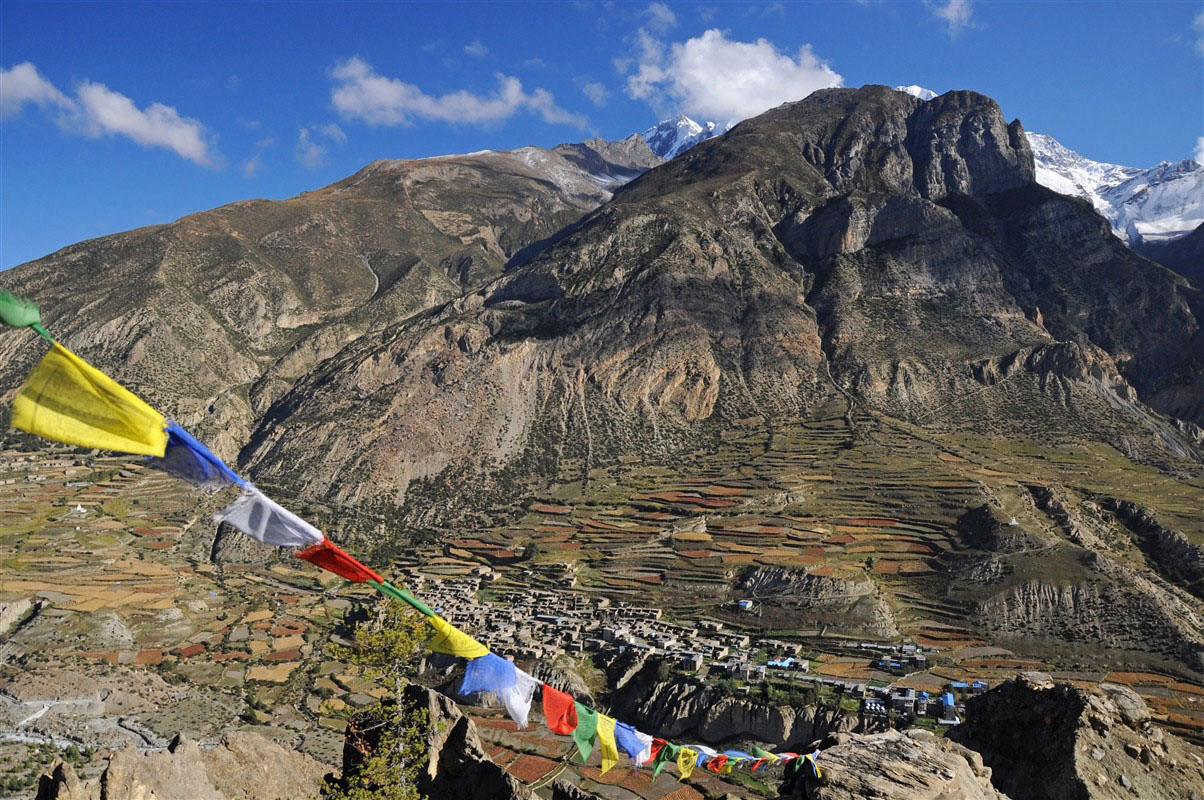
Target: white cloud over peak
(954,13)
(361,93)
(96,110)
(1199,154)
(716,78)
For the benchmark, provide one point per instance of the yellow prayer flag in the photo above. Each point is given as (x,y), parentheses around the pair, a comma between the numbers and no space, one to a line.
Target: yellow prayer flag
(686,759)
(68,400)
(814,764)
(452,641)
(606,741)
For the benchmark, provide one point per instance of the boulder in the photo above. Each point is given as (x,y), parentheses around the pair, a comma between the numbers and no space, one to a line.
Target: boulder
(915,765)
(1047,741)
(244,765)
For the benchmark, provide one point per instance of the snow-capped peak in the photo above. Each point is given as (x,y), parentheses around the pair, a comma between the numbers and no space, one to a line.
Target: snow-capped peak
(1143,205)
(916,91)
(672,137)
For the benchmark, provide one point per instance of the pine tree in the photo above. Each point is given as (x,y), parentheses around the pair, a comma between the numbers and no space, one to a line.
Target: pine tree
(391,734)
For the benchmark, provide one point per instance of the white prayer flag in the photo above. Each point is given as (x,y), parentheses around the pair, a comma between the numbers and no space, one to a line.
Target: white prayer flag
(264,520)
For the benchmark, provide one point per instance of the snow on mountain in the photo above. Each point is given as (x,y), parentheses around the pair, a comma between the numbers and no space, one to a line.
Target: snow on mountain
(1143,205)
(672,137)
(916,91)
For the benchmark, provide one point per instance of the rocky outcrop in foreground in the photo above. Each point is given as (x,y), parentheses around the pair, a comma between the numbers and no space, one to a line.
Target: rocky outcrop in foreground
(915,765)
(1058,742)
(246,766)
(457,764)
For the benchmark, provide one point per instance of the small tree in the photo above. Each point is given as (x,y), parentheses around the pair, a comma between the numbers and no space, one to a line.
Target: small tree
(391,734)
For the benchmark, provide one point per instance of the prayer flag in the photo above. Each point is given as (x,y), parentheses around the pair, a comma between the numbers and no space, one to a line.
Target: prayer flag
(559,711)
(637,746)
(452,641)
(17,312)
(189,460)
(655,750)
(811,759)
(686,759)
(489,673)
(331,558)
(586,730)
(264,520)
(667,754)
(68,400)
(517,699)
(606,742)
(716,764)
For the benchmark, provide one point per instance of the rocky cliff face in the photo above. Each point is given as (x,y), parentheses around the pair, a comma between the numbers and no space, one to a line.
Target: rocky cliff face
(915,765)
(244,766)
(853,605)
(685,707)
(1044,741)
(859,241)
(214,316)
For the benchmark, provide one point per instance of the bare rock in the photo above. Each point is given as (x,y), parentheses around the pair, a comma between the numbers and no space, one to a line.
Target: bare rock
(1047,741)
(897,766)
(244,765)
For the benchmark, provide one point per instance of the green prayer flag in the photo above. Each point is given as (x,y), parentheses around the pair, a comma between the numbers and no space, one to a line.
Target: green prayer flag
(17,312)
(667,755)
(586,732)
(761,753)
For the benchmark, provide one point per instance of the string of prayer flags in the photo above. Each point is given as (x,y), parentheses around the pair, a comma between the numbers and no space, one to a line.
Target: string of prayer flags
(264,520)
(67,400)
(704,754)
(606,742)
(332,558)
(687,759)
(452,641)
(559,711)
(586,730)
(189,460)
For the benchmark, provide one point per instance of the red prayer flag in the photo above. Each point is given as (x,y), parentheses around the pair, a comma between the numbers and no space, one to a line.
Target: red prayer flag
(657,745)
(559,711)
(331,558)
(716,764)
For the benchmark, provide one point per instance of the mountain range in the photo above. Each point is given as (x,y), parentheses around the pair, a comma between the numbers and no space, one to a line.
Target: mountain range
(862,283)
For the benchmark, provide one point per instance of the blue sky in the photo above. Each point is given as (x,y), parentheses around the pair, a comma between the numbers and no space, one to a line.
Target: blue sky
(118,115)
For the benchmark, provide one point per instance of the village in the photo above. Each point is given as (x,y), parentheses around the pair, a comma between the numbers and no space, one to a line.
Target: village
(117,626)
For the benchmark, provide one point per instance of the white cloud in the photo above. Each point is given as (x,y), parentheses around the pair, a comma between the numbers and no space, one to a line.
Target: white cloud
(252,166)
(595,92)
(23,84)
(716,78)
(309,153)
(312,153)
(660,17)
(96,110)
(108,112)
(1199,156)
(1198,24)
(332,132)
(361,93)
(476,49)
(954,13)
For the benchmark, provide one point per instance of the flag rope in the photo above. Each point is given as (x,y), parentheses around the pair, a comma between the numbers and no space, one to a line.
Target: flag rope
(259,517)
